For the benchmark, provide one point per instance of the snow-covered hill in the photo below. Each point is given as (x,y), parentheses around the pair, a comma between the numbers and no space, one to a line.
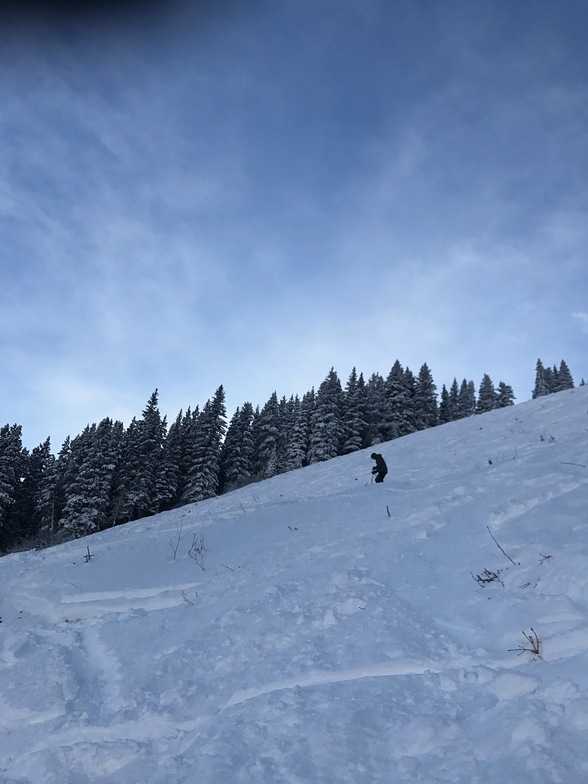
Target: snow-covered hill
(329,630)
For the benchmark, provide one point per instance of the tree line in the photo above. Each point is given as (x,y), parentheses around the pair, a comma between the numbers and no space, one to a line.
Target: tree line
(110,474)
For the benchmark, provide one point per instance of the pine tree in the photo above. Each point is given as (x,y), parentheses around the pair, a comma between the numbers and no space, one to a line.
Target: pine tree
(542,381)
(289,417)
(444,416)
(34,485)
(487,398)
(141,462)
(453,409)
(12,470)
(466,405)
(204,473)
(236,462)
(167,482)
(565,377)
(44,509)
(266,436)
(426,409)
(398,419)
(354,413)
(299,440)
(327,429)
(89,482)
(375,408)
(504,396)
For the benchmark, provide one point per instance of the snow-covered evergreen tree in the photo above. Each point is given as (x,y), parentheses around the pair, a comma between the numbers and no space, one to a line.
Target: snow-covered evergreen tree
(375,408)
(542,381)
(466,404)
(89,481)
(327,429)
(399,403)
(167,482)
(487,397)
(354,414)
(38,467)
(140,464)
(44,509)
(236,463)
(444,406)
(267,437)
(299,438)
(426,408)
(453,402)
(204,472)
(504,395)
(12,470)
(565,380)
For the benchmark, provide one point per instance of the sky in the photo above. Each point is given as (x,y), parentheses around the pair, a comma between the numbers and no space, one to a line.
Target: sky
(248,194)
(328,630)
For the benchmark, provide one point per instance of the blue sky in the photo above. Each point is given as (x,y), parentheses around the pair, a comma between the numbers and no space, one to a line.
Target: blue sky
(250,193)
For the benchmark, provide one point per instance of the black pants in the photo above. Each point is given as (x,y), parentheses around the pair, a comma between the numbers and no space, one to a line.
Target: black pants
(380,476)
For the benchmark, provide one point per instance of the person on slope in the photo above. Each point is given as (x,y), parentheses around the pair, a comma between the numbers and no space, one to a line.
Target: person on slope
(380,469)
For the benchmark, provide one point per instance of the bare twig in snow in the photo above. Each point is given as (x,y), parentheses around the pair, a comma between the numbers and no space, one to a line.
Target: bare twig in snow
(534,644)
(487,577)
(500,548)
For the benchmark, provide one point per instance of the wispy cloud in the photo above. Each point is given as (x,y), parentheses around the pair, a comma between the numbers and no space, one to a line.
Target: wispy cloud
(257,204)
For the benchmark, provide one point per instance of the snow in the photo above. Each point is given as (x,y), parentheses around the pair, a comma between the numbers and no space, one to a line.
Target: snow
(332,629)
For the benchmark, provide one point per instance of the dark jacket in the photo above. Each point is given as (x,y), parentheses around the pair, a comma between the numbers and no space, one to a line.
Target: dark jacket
(380,467)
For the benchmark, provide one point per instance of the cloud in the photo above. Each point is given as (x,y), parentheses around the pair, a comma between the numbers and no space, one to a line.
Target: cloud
(581,319)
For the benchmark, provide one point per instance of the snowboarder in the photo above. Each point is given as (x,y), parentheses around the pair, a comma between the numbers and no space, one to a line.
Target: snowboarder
(380,469)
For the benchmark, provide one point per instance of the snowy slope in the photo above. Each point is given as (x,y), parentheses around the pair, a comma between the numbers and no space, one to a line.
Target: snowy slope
(336,632)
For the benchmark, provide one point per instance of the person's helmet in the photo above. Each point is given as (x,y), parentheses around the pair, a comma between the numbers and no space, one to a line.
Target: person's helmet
(373,455)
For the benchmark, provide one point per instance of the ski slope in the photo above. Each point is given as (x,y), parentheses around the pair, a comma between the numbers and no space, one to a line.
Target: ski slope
(330,630)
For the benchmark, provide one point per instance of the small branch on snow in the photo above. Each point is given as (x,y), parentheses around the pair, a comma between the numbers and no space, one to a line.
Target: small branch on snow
(187,599)
(487,577)
(581,465)
(174,541)
(196,551)
(500,548)
(534,644)
(544,558)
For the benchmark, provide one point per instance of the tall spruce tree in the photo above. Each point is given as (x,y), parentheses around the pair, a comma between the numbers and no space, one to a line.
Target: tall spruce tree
(204,473)
(487,397)
(141,461)
(89,482)
(375,408)
(12,471)
(542,381)
(398,412)
(45,475)
(236,462)
(453,402)
(354,413)
(167,483)
(444,415)
(266,436)
(299,440)
(327,429)
(35,484)
(426,408)
(565,380)
(504,395)
(466,404)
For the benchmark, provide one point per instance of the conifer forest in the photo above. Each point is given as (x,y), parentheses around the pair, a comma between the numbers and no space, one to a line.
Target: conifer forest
(111,474)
